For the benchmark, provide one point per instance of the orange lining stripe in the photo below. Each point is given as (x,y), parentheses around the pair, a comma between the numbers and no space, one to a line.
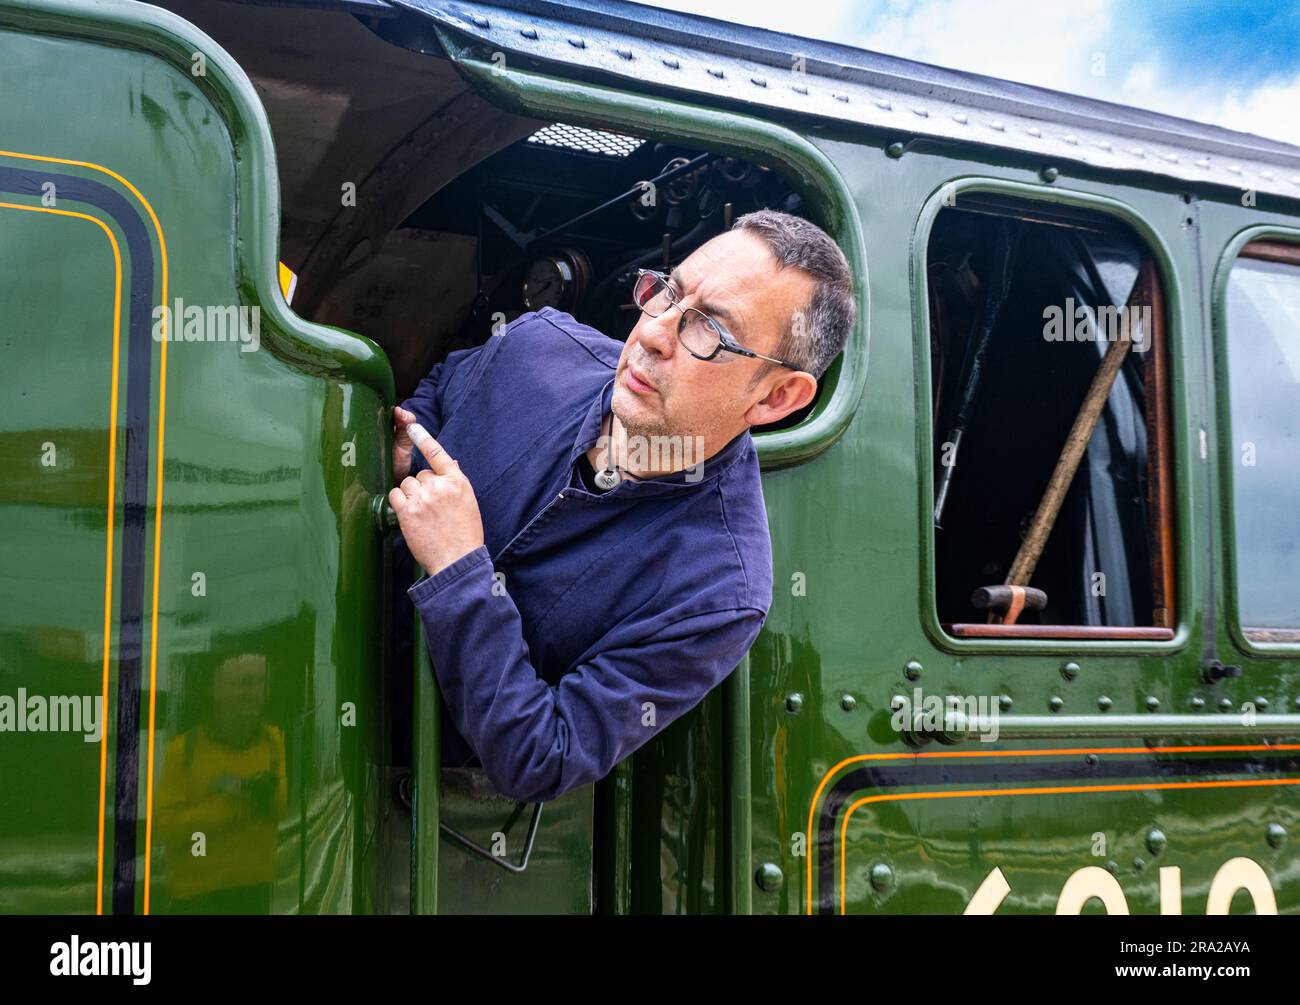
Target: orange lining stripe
(112,487)
(157,523)
(1066,751)
(1053,790)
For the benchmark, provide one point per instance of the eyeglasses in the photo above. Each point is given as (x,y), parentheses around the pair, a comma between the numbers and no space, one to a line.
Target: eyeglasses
(698,333)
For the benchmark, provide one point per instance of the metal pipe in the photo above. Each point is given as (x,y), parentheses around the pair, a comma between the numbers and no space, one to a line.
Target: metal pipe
(740,860)
(616,853)
(426,763)
(536,237)
(958,727)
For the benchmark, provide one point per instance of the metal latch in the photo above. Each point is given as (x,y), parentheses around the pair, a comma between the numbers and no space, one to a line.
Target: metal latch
(1214,671)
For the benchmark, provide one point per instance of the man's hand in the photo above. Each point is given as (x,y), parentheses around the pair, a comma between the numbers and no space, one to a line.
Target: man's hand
(402,444)
(436,509)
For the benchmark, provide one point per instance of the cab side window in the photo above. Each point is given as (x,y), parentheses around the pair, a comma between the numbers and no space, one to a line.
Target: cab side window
(1050,436)
(1263,346)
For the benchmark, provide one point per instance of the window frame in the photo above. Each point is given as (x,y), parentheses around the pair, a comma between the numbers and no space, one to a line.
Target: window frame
(1174,442)
(1270,237)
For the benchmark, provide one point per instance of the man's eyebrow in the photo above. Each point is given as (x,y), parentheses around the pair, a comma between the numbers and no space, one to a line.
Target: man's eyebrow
(712,310)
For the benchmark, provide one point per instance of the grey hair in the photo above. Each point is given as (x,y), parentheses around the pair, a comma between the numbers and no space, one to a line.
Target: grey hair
(810,342)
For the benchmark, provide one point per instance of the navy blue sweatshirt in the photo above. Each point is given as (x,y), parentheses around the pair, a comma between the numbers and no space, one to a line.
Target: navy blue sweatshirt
(587,622)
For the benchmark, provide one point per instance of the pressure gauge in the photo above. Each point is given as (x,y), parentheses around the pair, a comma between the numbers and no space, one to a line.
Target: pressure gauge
(557,280)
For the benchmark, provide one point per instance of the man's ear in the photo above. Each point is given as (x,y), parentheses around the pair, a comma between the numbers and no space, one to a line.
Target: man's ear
(794,390)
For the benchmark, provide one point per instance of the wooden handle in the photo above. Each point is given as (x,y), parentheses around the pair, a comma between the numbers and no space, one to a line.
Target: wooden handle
(1031,549)
(1011,600)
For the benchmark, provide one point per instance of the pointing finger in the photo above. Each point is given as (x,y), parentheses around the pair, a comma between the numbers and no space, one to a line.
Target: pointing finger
(440,462)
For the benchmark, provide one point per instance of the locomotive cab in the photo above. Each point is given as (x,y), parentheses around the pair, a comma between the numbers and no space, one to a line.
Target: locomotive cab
(420,211)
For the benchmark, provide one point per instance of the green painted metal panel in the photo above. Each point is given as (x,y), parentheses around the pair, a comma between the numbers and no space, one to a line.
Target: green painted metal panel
(245,709)
(55,452)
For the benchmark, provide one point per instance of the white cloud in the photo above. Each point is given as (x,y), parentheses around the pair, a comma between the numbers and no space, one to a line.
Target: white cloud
(1048,45)
(1038,42)
(1268,110)
(1029,41)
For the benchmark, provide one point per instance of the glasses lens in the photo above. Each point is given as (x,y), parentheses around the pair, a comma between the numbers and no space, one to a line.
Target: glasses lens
(699,334)
(651,294)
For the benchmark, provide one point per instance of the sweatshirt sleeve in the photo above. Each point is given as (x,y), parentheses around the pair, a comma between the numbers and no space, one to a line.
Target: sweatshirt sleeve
(537,741)
(430,396)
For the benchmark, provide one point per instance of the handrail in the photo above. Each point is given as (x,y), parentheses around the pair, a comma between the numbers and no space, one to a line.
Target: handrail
(426,771)
(739,808)
(516,867)
(957,727)
(426,758)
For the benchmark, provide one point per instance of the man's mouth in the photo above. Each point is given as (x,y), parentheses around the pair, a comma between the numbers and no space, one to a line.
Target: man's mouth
(637,383)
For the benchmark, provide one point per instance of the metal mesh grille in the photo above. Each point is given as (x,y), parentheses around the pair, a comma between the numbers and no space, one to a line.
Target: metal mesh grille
(592,141)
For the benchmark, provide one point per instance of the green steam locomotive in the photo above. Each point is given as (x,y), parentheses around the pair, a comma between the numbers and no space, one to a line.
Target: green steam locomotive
(1034,638)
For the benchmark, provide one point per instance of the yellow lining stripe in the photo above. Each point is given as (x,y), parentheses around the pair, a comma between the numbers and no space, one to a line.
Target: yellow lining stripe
(1051,790)
(112,487)
(157,540)
(1069,751)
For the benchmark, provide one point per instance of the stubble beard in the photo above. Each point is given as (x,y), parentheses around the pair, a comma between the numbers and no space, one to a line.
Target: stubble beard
(705,429)
(657,430)
(636,426)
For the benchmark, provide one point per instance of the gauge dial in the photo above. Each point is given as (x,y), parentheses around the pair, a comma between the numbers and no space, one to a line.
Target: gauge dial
(548,283)
(555,281)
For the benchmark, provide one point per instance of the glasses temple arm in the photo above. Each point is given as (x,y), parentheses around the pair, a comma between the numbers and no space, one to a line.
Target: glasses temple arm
(758,355)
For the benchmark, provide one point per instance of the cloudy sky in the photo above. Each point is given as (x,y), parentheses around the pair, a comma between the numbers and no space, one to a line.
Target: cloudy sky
(1235,63)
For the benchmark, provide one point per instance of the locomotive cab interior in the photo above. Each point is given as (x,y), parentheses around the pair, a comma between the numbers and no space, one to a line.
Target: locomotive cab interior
(562,217)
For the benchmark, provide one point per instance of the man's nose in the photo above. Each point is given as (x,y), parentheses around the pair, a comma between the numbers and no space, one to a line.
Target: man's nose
(658,335)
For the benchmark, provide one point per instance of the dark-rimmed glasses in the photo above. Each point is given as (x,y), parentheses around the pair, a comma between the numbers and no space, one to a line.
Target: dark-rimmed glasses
(698,333)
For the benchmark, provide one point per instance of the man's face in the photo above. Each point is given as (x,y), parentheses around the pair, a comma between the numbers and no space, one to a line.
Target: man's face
(239,692)
(661,389)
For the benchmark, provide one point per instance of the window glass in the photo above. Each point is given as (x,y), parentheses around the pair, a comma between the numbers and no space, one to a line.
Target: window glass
(1023,310)
(1264,371)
